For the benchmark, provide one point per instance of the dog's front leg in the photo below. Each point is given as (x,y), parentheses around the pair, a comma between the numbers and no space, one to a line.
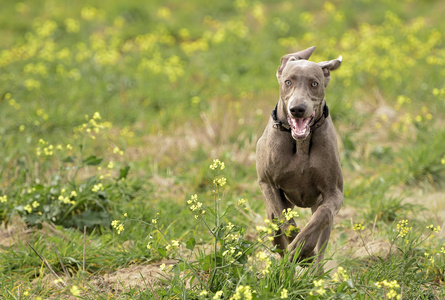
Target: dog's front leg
(318,230)
(275,204)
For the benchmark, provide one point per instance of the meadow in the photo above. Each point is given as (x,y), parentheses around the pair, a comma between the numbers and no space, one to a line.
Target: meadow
(127,148)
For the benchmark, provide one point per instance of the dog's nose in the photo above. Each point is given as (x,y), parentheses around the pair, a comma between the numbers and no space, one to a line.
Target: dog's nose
(298,110)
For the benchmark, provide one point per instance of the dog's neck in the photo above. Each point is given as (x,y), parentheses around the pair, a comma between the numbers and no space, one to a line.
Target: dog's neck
(302,146)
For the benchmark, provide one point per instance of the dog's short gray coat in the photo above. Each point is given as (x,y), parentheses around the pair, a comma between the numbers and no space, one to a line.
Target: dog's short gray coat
(297,170)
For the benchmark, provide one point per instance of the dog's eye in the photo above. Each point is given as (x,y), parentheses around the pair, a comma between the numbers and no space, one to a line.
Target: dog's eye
(314,84)
(288,82)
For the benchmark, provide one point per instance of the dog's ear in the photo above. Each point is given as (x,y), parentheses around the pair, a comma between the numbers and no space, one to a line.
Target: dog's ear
(304,54)
(328,66)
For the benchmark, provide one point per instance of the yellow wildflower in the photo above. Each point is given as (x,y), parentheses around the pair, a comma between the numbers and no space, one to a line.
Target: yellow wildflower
(242,292)
(402,228)
(118,226)
(358,227)
(28,208)
(340,275)
(173,245)
(97,187)
(289,214)
(75,291)
(217,164)
(264,258)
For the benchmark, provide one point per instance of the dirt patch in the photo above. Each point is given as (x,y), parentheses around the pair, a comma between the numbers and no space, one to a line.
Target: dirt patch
(378,248)
(18,231)
(135,276)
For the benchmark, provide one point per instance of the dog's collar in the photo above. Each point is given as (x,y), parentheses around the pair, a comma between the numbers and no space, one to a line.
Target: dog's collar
(284,127)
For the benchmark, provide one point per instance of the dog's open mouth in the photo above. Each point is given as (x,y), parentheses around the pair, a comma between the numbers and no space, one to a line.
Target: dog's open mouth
(300,126)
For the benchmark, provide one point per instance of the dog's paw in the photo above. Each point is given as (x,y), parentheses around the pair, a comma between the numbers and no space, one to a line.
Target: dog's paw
(302,248)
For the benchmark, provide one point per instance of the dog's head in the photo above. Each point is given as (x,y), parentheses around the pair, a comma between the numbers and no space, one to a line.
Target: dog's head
(302,86)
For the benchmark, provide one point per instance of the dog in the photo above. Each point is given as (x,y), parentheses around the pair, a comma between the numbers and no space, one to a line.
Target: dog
(297,157)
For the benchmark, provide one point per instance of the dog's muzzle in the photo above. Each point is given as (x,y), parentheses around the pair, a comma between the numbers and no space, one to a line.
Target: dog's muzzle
(300,127)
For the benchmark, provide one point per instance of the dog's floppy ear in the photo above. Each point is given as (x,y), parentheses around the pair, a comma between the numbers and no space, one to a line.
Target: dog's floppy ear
(303,54)
(328,66)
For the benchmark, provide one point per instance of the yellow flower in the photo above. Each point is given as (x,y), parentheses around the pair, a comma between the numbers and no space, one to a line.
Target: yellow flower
(116,150)
(75,291)
(88,13)
(217,164)
(284,294)
(318,283)
(289,214)
(71,25)
(164,13)
(218,295)
(35,204)
(3,199)
(96,116)
(358,227)
(402,228)
(97,187)
(28,208)
(118,226)
(242,292)
(263,257)
(221,181)
(340,275)
(173,245)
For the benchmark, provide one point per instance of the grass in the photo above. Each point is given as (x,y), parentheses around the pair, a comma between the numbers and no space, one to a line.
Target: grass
(114,111)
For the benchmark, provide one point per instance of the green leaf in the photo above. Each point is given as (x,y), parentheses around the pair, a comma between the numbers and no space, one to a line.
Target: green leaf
(190,244)
(162,252)
(69,159)
(92,160)
(124,172)
(341,287)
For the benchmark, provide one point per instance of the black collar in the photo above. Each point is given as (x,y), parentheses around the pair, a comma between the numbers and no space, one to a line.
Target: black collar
(284,127)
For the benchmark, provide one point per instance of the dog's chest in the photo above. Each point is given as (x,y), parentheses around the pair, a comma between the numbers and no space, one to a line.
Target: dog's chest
(296,177)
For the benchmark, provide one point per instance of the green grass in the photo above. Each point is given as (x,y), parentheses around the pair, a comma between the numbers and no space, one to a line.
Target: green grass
(178,84)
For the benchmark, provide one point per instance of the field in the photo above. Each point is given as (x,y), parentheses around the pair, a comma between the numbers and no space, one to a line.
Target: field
(127,148)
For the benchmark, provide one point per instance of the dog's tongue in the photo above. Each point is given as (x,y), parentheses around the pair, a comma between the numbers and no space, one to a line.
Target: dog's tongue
(300,127)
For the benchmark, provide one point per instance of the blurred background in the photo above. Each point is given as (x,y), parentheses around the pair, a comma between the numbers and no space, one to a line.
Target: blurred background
(181,83)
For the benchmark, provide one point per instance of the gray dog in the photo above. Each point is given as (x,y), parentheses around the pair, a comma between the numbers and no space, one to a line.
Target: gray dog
(297,157)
